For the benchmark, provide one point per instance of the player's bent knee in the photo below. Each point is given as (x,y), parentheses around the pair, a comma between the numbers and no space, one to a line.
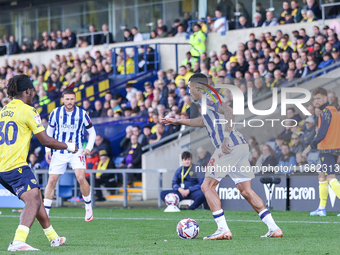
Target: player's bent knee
(80,175)
(246,193)
(208,184)
(81,179)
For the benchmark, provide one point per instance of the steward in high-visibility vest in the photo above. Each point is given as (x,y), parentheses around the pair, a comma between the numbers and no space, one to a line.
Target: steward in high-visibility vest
(197,41)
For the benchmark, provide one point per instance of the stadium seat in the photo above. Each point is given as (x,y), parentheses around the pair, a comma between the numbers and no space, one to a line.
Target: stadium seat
(313,158)
(271,144)
(118,160)
(66,184)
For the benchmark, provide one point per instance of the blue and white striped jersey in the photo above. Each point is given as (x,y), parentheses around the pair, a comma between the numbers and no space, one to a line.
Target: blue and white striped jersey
(217,132)
(69,126)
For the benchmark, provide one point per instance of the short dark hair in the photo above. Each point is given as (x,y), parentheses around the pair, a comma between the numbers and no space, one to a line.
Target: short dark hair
(319,90)
(279,137)
(137,127)
(186,155)
(147,126)
(291,108)
(198,25)
(199,78)
(135,110)
(129,85)
(68,92)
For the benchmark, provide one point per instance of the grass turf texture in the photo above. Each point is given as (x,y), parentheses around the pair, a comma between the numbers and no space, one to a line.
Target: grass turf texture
(144,231)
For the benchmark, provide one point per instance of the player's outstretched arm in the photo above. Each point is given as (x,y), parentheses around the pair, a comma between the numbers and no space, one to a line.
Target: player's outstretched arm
(197,122)
(52,143)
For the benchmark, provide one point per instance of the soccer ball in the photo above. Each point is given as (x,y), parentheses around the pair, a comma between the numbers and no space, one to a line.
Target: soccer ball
(187,228)
(171,199)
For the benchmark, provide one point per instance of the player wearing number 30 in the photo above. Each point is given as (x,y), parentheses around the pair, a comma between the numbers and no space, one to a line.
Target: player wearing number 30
(17,122)
(67,123)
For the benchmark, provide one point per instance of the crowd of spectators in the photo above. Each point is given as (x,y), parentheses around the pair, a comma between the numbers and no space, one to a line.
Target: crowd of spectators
(272,60)
(220,22)
(56,40)
(65,71)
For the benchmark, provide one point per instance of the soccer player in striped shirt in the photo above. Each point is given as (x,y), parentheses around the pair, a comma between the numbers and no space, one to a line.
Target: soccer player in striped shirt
(67,123)
(17,122)
(232,150)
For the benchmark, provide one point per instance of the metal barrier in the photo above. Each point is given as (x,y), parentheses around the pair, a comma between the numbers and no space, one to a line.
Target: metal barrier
(156,56)
(92,37)
(155,64)
(190,22)
(7,48)
(111,171)
(323,10)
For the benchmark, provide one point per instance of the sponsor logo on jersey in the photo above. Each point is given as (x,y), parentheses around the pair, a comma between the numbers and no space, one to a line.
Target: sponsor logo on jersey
(20,170)
(33,181)
(67,127)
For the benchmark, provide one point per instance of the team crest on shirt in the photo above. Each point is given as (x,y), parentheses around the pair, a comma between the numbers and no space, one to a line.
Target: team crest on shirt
(20,170)
(33,181)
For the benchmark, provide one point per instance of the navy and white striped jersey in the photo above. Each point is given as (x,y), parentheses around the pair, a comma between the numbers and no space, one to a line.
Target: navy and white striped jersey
(217,132)
(69,126)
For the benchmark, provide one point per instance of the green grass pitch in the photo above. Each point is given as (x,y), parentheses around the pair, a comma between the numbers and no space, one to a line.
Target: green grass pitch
(151,231)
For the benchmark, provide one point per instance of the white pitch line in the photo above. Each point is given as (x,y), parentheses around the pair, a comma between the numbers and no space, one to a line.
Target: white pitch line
(167,219)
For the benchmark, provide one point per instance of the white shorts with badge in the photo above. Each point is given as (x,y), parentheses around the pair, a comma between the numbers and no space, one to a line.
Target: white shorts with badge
(59,162)
(235,164)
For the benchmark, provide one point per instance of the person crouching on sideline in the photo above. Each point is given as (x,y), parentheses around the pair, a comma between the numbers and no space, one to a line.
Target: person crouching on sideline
(186,184)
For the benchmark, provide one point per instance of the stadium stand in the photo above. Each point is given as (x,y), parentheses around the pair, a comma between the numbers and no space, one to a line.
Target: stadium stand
(127,85)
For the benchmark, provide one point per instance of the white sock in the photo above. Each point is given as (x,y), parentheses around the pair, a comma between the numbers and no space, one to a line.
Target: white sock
(267,218)
(47,205)
(321,207)
(87,201)
(220,219)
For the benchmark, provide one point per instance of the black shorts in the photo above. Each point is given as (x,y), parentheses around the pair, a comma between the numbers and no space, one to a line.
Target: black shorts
(328,163)
(18,180)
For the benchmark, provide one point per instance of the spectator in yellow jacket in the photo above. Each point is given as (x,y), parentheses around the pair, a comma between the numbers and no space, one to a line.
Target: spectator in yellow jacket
(197,41)
(130,66)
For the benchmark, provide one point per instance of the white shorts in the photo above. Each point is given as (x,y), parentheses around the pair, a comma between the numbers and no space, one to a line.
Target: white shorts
(236,164)
(59,162)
